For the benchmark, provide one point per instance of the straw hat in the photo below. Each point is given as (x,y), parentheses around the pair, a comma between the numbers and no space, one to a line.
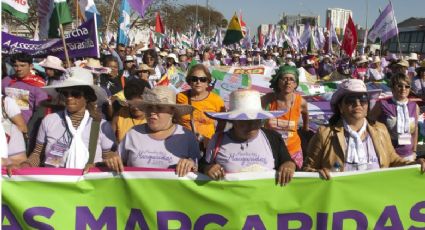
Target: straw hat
(95,67)
(349,86)
(362,59)
(76,76)
(163,95)
(403,63)
(52,62)
(245,104)
(376,59)
(163,54)
(143,67)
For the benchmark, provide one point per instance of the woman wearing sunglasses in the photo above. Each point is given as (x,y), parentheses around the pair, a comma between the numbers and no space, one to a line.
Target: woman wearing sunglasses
(75,137)
(160,143)
(400,116)
(350,142)
(202,100)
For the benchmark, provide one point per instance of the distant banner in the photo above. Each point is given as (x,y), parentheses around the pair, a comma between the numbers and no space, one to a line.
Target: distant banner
(46,198)
(81,42)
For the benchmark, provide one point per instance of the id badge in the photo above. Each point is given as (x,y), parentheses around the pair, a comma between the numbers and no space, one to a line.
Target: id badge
(404,139)
(57,155)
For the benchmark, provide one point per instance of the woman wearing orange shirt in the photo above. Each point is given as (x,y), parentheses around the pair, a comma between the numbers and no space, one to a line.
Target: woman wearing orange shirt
(284,83)
(202,100)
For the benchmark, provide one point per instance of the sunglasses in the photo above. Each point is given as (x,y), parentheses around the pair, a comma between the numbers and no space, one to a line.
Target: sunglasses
(71,93)
(401,86)
(352,99)
(196,79)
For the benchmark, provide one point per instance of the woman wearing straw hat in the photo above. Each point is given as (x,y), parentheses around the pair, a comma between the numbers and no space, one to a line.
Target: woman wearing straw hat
(53,67)
(202,101)
(361,68)
(160,143)
(76,137)
(375,73)
(284,84)
(247,146)
(144,71)
(350,142)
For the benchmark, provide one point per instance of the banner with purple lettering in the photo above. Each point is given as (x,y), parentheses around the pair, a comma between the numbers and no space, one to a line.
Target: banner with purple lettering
(46,198)
(81,42)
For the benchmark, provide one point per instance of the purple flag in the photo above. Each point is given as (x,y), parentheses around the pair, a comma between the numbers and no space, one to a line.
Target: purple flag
(385,27)
(81,42)
(140,6)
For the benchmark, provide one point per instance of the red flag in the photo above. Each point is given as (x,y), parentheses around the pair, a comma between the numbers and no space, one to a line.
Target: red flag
(159,28)
(349,43)
(243,25)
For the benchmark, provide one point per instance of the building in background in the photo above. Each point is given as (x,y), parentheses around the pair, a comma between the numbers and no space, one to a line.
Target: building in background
(295,20)
(339,18)
(412,37)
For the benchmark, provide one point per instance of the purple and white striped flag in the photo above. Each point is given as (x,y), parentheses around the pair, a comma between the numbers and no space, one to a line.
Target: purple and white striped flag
(385,27)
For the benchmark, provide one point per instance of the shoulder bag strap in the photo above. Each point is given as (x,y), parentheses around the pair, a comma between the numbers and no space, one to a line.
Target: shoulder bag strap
(94,135)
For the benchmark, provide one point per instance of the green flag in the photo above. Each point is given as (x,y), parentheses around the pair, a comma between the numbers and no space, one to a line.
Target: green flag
(60,15)
(18,9)
(233,32)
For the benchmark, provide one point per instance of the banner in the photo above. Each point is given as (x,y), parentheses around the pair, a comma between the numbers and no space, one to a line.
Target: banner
(81,42)
(45,198)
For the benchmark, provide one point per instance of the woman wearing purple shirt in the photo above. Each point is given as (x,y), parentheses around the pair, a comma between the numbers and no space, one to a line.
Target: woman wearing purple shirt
(246,147)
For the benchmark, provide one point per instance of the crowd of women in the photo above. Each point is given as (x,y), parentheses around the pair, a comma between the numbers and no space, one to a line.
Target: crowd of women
(111,113)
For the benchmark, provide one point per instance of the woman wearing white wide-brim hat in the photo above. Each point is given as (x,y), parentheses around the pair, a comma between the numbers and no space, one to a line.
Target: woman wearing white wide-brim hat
(53,67)
(247,147)
(76,137)
(374,72)
(160,142)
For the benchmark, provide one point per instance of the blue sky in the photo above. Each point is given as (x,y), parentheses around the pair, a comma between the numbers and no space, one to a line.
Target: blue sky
(257,12)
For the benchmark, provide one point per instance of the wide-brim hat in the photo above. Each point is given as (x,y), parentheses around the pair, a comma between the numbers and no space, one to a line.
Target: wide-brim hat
(362,59)
(403,63)
(52,62)
(173,56)
(95,67)
(163,95)
(245,104)
(76,76)
(376,59)
(421,67)
(347,87)
(143,67)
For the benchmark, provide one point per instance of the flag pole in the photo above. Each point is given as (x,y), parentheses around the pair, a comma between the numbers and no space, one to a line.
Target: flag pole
(398,36)
(110,17)
(64,45)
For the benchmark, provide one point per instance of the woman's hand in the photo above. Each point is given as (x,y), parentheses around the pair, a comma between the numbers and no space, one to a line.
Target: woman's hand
(113,161)
(12,167)
(285,173)
(325,173)
(215,172)
(184,166)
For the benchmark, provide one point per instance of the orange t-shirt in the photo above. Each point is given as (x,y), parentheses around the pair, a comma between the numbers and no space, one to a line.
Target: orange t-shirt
(203,124)
(126,122)
(287,124)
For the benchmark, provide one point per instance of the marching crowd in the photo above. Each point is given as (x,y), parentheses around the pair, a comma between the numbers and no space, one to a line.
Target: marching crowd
(112,112)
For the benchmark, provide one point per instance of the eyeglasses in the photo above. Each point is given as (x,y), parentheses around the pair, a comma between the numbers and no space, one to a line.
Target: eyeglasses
(71,93)
(352,99)
(401,86)
(196,79)
(287,79)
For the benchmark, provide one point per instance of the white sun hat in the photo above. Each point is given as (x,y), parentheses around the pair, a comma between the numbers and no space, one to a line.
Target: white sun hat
(245,104)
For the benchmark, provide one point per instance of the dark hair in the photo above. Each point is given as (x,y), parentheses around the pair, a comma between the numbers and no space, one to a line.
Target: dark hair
(135,88)
(198,67)
(109,58)
(152,53)
(22,57)
(337,114)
